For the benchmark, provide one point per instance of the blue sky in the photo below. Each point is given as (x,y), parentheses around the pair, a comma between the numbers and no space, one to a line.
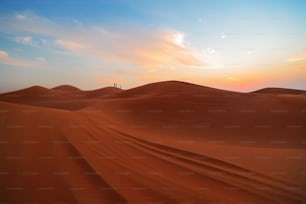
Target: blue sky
(232,44)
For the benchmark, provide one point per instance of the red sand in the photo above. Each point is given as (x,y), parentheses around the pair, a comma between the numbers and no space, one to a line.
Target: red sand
(167,142)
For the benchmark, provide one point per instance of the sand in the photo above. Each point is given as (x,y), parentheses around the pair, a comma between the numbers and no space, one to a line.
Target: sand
(166,142)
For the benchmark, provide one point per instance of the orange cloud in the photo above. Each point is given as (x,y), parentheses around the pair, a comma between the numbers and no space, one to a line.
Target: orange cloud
(70,45)
(234,79)
(6,59)
(167,48)
(148,50)
(146,47)
(298,58)
(301,68)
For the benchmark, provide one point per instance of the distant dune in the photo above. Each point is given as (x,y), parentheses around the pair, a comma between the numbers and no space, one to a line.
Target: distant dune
(170,88)
(279,91)
(103,92)
(67,88)
(63,97)
(166,142)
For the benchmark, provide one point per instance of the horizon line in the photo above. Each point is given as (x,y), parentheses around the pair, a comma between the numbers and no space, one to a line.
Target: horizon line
(186,82)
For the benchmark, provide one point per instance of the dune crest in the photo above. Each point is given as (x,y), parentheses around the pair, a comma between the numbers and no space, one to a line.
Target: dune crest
(279,91)
(66,88)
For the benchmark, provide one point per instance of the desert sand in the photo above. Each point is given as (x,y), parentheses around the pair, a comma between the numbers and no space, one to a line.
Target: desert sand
(166,142)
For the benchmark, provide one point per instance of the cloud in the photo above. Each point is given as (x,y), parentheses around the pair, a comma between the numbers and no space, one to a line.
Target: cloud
(40,59)
(77,22)
(231,78)
(223,36)
(3,54)
(26,40)
(70,45)
(297,58)
(20,17)
(147,47)
(6,59)
(301,68)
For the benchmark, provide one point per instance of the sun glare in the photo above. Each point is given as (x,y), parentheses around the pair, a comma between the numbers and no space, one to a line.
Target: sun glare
(178,39)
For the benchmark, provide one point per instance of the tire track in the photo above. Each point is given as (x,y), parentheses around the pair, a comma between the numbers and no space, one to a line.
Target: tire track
(250,181)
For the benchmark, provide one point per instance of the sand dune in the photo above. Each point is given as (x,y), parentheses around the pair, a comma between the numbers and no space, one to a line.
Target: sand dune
(66,88)
(103,92)
(279,91)
(170,89)
(63,97)
(167,142)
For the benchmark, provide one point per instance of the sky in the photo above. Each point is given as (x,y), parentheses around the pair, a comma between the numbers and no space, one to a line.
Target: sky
(240,45)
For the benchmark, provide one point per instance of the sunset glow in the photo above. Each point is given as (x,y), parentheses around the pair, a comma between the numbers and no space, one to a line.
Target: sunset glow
(238,45)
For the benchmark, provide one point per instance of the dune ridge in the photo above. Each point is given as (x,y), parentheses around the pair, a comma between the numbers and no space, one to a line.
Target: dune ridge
(67,88)
(279,91)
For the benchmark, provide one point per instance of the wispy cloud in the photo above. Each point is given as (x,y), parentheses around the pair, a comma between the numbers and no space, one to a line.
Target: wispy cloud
(298,58)
(6,59)
(300,68)
(298,63)
(26,40)
(70,45)
(40,59)
(147,47)
(231,78)
(20,16)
